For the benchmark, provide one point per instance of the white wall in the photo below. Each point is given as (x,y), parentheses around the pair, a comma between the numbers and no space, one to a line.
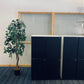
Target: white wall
(9,10)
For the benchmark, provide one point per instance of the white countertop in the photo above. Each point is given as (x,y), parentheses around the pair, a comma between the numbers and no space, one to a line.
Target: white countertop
(57,36)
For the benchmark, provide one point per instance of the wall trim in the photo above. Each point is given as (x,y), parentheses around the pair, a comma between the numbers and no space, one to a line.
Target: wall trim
(13,65)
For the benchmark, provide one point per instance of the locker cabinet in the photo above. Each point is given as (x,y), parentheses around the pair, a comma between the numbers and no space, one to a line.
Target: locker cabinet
(80,68)
(73,58)
(46,53)
(53,50)
(70,57)
(46,58)
(38,63)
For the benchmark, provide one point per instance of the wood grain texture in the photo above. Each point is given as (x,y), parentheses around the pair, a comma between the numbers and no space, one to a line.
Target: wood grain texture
(13,65)
(26,42)
(68,13)
(22,12)
(53,23)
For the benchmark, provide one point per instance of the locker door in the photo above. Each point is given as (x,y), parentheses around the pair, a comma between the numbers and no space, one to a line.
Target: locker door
(53,57)
(38,54)
(80,73)
(70,57)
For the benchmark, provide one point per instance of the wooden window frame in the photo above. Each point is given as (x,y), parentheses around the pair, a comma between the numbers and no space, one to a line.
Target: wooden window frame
(72,13)
(51,28)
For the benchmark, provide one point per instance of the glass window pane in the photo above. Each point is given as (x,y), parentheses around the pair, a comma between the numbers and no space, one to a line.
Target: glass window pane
(68,24)
(36,24)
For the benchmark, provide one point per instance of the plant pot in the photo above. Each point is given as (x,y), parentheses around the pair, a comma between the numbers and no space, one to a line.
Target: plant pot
(17,71)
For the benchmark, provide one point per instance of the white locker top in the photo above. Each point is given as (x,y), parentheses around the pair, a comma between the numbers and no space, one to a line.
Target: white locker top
(57,36)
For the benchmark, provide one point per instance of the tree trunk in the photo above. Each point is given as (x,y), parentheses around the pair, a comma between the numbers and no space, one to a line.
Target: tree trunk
(17,58)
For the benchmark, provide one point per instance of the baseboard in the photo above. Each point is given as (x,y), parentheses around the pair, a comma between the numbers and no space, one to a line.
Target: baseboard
(13,65)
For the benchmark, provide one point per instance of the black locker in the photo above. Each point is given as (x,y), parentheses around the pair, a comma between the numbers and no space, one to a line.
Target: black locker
(80,70)
(53,52)
(38,54)
(46,58)
(70,57)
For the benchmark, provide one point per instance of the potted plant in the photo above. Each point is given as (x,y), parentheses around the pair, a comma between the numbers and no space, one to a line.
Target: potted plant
(15,34)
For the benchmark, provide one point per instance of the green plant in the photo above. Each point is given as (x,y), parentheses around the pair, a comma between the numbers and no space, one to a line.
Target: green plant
(15,34)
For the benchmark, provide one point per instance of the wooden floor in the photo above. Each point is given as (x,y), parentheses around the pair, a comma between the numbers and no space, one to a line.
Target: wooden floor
(7,77)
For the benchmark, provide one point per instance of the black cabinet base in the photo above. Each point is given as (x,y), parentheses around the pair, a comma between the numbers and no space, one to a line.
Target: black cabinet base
(46,79)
